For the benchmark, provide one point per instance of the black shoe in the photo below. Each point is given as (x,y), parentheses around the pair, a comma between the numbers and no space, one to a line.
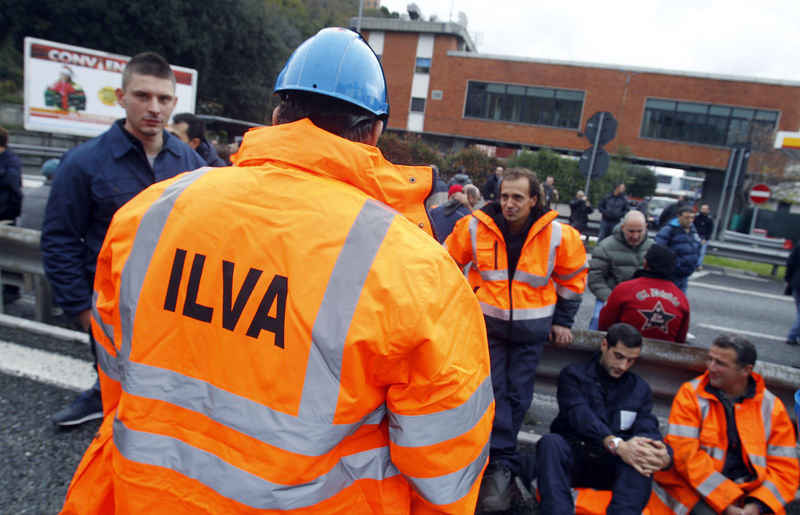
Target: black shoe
(791,342)
(88,406)
(495,492)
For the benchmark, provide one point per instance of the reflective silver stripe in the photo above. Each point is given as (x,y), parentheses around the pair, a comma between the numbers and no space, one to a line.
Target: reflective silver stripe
(473,237)
(555,241)
(704,407)
(324,368)
(107,363)
(767,405)
(772,487)
(535,281)
(567,277)
(108,330)
(670,501)
(684,431)
(435,428)
(574,492)
(715,452)
(494,275)
(565,293)
(782,451)
(695,382)
(292,434)
(711,483)
(242,486)
(449,488)
(758,461)
(144,244)
(519,314)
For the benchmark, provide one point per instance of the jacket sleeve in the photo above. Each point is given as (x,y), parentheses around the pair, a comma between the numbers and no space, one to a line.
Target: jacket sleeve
(602,206)
(599,269)
(780,485)
(66,220)
(611,312)
(441,404)
(664,236)
(573,403)
(692,463)
(458,243)
(569,275)
(683,330)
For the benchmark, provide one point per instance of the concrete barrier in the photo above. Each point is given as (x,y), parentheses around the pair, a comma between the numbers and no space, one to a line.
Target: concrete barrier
(664,365)
(21,258)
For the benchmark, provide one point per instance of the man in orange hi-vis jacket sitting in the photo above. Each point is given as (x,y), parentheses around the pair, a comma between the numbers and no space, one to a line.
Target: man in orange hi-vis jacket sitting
(286,335)
(733,442)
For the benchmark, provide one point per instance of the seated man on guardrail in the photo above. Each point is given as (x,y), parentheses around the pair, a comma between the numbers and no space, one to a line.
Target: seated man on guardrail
(650,301)
(605,435)
(734,444)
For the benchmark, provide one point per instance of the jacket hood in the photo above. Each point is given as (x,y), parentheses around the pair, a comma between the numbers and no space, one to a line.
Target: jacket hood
(303,145)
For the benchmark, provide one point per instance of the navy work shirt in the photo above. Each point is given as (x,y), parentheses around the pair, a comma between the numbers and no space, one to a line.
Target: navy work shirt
(91,183)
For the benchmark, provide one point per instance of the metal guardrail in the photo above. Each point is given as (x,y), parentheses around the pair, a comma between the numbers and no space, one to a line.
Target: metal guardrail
(750,239)
(21,260)
(664,365)
(38,151)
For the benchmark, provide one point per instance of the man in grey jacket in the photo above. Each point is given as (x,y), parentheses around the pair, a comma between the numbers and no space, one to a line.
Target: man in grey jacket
(616,258)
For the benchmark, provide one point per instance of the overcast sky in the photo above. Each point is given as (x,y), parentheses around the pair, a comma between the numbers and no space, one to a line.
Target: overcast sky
(750,38)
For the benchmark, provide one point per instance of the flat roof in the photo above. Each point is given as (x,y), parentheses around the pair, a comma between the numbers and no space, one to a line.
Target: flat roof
(418,26)
(622,68)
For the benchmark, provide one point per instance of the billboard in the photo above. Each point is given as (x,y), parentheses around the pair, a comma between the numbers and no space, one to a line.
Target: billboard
(71,90)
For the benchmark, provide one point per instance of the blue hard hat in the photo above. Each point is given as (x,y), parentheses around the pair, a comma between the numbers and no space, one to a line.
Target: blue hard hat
(337,62)
(49,167)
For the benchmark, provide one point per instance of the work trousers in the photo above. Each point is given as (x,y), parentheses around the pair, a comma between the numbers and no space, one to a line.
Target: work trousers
(513,368)
(562,465)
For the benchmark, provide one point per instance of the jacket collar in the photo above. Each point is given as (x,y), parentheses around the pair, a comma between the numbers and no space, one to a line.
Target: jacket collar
(702,392)
(121,141)
(492,212)
(305,146)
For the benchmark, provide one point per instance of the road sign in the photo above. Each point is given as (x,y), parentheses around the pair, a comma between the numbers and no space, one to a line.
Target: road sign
(600,162)
(607,131)
(760,193)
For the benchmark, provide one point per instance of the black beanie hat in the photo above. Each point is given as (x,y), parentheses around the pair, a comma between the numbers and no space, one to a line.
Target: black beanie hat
(661,261)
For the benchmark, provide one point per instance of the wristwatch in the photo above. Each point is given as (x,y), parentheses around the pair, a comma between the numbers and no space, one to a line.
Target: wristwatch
(613,444)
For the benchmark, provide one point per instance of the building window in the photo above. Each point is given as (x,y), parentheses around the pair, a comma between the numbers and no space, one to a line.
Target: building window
(708,124)
(423,65)
(524,104)
(418,105)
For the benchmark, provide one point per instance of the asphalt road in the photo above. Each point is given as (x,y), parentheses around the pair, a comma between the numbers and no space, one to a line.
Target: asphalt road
(39,459)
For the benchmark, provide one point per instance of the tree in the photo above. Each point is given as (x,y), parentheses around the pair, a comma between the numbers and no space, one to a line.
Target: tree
(478,164)
(408,150)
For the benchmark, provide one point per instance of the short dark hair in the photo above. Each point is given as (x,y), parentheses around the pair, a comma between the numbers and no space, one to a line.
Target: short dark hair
(331,114)
(684,209)
(625,333)
(147,63)
(3,137)
(195,126)
(746,353)
(535,187)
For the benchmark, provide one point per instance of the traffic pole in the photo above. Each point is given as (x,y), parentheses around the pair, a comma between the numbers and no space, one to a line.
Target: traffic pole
(594,154)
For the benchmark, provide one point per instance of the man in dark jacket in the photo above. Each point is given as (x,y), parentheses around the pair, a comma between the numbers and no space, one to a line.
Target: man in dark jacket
(792,279)
(650,301)
(491,188)
(10,180)
(613,207)
(681,236)
(460,203)
(191,130)
(671,211)
(579,210)
(605,435)
(705,226)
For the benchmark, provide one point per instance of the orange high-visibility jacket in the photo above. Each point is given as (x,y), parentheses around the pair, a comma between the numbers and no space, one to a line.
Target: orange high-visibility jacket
(548,283)
(274,336)
(698,435)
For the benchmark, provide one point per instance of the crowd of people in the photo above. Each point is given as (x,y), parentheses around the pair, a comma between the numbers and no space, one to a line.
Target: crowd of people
(310,346)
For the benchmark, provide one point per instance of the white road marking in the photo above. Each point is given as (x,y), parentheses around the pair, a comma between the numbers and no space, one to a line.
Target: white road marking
(749,293)
(740,276)
(698,275)
(46,367)
(739,331)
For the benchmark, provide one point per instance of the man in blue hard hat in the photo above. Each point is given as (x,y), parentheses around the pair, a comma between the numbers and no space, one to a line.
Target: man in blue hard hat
(360,380)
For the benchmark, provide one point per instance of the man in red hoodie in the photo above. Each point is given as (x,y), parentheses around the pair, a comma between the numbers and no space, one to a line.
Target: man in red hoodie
(650,301)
